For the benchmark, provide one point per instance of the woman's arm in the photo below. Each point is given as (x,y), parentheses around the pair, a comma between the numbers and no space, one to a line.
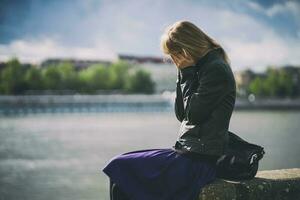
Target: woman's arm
(212,87)
(179,112)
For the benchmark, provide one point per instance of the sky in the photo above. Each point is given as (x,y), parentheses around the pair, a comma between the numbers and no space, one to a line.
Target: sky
(254,33)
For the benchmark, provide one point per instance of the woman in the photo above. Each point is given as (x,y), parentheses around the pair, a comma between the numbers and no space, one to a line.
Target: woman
(205,98)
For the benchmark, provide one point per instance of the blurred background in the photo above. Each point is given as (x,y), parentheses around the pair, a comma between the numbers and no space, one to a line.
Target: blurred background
(82,81)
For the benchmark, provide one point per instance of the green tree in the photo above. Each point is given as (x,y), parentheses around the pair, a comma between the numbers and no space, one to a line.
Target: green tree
(95,77)
(286,83)
(119,74)
(16,78)
(278,83)
(69,77)
(257,87)
(12,78)
(52,78)
(33,78)
(140,82)
(272,82)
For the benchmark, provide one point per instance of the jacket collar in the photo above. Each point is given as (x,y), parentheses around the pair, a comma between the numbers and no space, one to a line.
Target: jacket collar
(189,70)
(208,56)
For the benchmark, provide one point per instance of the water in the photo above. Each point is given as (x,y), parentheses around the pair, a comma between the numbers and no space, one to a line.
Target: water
(60,156)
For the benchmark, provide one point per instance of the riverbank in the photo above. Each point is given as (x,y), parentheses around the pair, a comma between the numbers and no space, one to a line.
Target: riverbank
(119,103)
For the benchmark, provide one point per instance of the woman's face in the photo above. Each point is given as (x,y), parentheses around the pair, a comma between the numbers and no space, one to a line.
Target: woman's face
(181,61)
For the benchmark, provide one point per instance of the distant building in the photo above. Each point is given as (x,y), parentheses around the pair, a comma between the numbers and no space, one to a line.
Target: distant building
(243,79)
(142,59)
(23,65)
(78,64)
(163,73)
(295,72)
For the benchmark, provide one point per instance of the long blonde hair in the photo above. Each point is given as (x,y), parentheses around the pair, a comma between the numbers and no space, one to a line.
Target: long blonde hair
(183,37)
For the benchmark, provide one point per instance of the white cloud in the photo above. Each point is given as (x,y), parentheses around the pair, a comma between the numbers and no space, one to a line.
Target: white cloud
(132,27)
(253,44)
(287,7)
(257,55)
(35,51)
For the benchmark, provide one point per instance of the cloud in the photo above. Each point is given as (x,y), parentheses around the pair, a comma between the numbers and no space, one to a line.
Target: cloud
(287,7)
(35,51)
(93,30)
(271,50)
(251,43)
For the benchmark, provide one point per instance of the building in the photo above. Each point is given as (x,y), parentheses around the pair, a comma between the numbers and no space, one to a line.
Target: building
(78,64)
(243,79)
(163,73)
(294,71)
(142,59)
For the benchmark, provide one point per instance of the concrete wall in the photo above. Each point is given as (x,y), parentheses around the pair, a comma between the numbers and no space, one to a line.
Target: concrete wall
(267,185)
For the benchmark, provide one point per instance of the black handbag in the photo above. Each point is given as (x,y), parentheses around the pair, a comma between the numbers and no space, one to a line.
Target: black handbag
(241,159)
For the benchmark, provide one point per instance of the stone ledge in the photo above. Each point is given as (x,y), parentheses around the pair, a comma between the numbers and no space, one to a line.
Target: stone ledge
(280,184)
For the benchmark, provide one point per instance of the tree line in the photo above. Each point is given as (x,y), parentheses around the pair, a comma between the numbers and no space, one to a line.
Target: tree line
(276,82)
(17,79)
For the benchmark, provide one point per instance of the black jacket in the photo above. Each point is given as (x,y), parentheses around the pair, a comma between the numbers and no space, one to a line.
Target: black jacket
(204,102)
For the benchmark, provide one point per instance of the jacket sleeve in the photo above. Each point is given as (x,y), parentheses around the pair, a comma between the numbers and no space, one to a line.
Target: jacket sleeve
(179,112)
(211,88)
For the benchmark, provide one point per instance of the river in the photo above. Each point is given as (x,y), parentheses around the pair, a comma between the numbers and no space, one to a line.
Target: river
(60,156)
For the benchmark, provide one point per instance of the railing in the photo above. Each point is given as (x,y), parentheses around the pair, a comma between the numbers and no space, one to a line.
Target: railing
(10,105)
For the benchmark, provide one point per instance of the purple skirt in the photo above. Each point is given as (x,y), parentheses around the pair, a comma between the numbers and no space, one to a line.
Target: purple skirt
(160,174)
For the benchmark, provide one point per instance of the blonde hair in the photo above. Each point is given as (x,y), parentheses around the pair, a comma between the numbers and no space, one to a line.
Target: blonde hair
(183,37)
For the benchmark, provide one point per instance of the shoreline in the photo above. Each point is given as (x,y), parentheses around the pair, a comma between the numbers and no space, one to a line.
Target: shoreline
(10,104)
